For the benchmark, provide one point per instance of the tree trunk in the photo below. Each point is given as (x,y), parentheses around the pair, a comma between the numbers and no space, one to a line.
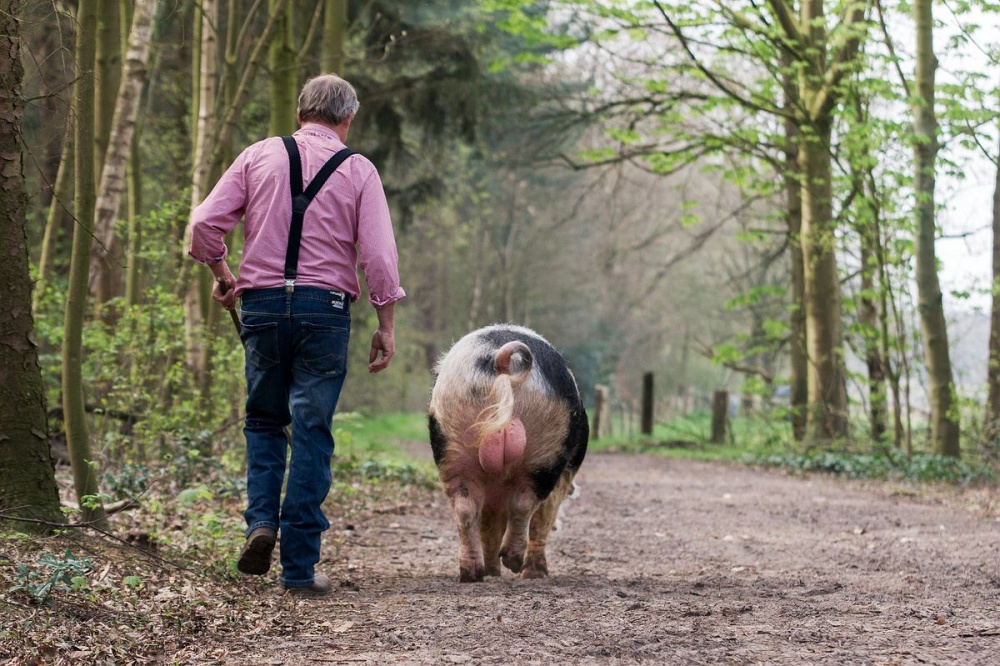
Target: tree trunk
(106,276)
(871,330)
(992,429)
(871,318)
(27,484)
(334,36)
(941,386)
(284,84)
(720,416)
(799,365)
(57,209)
(195,290)
(134,180)
(827,417)
(77,437)
(113,182)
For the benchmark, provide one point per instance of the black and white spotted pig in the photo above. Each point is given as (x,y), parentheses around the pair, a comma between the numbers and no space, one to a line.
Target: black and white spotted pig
(509,432)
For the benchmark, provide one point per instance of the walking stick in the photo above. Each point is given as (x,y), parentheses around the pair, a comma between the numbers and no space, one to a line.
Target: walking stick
(233,314)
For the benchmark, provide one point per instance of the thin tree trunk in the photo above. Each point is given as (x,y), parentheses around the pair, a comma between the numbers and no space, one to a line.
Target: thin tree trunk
(992,429)
(194,296)
(799,363)
(61,192)
(119,148)
(941,385)
(870,318)
(870,321)
(27,484)
(106,276)
(334,36)
(134,181)
(77,437)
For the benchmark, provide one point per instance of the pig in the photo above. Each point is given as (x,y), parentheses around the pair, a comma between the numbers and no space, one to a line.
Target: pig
(509,432)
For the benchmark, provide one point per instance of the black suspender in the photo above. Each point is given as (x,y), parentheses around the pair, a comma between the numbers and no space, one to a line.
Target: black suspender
(301,200)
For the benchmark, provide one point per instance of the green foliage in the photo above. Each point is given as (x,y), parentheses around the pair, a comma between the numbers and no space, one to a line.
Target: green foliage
(888,464)
(129,480)
(380,471)
(52,573)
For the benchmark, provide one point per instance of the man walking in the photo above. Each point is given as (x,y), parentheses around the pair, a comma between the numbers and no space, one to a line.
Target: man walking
(313,211)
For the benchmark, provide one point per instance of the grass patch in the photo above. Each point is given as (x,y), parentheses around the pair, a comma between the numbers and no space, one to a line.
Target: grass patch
(688,437)
(378,437)
(754,440)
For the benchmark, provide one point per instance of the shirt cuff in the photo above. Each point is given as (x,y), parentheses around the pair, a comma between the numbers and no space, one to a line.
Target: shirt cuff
(380,302)
(209,261)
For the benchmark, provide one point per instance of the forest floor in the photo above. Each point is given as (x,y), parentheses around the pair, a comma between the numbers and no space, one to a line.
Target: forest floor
(659,561)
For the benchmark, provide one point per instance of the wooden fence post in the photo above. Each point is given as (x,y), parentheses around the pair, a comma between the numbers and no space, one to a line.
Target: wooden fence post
(647,404)
(599,424)
(720,416)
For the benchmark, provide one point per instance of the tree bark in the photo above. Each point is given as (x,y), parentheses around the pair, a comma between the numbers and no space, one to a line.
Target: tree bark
(941,386)
(27,484)
(284,83)
(77,437)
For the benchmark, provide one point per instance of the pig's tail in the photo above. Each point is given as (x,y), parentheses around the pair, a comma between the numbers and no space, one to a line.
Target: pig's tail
(495,417)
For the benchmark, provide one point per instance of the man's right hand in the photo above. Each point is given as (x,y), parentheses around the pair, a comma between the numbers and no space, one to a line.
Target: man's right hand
(224,290)
(382,341)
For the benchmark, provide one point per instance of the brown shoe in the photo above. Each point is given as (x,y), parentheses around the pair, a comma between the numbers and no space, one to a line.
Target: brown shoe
(255,558)
(321,586)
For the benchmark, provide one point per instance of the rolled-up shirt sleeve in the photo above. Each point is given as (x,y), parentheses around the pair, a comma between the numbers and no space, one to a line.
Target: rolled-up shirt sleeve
(218,214)
(377,244)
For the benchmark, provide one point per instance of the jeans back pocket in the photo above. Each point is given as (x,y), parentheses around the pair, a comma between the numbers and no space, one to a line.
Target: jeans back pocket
(323,348)
(260,344)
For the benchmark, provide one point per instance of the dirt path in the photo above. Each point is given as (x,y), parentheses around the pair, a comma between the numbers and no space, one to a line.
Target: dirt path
(662,562)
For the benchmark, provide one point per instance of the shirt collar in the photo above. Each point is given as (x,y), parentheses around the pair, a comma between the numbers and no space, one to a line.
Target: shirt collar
(315,129)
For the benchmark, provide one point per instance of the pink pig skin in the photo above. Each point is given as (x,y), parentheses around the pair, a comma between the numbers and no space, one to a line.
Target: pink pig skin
(502,447)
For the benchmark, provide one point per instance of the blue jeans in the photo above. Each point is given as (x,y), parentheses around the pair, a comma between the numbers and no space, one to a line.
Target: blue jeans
(296,361)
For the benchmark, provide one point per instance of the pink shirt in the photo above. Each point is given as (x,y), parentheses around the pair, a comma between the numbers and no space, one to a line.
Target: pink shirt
(347,221)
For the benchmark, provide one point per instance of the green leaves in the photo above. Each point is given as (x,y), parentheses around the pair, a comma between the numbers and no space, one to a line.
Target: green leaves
(52,573)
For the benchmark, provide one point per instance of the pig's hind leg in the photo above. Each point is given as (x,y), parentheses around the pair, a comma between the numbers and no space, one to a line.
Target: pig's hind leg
(522,505)
(467,505)
(492,527)
(542,524)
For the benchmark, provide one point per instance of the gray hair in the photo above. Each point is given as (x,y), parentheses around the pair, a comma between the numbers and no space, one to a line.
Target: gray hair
(327,99)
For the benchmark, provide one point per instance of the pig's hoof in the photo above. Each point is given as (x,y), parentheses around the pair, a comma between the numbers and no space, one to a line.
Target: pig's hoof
(513,561)
(471,573)
(535,566)
(493,567)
